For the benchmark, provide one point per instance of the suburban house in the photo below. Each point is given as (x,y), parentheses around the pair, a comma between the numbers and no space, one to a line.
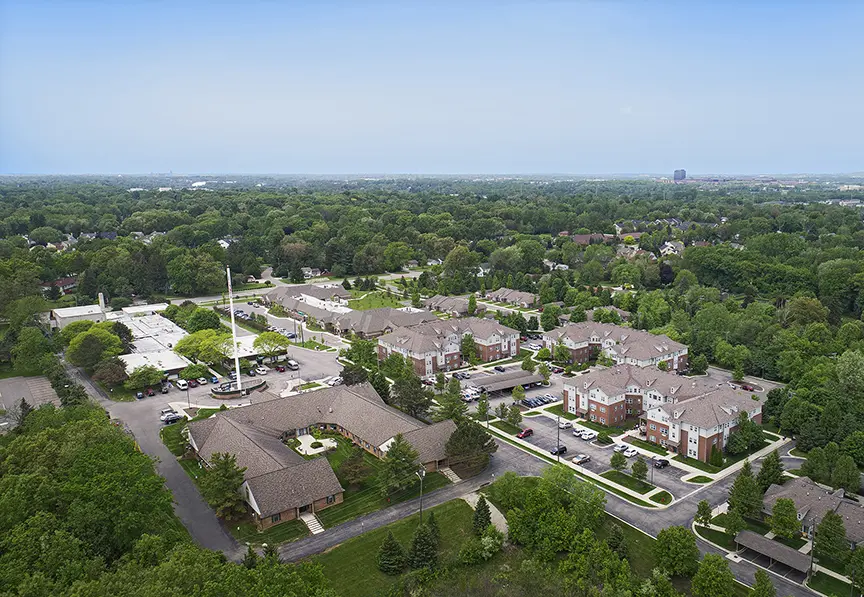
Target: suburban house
(371,323)
(586,340)
(624,315)
(332,293)
(64,285)
(672,247)
(512,297)
(694,427)
(633,251)
(451,305)
(310,272)
(436,345)
(813,501)
(279,484)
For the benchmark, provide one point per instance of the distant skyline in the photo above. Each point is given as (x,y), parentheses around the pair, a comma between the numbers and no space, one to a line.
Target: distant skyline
(502,87)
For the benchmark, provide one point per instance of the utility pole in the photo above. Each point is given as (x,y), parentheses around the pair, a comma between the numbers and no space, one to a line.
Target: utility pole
(558,441)
(421,473)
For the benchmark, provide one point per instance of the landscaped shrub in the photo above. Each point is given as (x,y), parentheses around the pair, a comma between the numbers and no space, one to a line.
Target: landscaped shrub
(316,445)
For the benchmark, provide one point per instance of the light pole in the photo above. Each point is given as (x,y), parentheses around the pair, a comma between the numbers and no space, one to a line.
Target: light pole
(558,441)
(420,474)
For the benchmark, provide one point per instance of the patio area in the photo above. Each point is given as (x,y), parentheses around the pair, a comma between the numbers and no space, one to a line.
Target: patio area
(306,441)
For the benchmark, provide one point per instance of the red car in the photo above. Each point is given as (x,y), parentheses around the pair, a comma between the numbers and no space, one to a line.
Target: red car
(525,433)
(280,368)
(747,388)
(150,392)
(192,383)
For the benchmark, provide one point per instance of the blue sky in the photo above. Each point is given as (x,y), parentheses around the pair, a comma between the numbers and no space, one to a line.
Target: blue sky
(437,87)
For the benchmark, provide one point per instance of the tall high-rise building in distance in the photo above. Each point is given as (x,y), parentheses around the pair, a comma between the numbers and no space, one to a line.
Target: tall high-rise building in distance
(680,174)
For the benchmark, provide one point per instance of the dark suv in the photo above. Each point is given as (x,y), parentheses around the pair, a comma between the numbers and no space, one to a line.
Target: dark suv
(558,450)
(660,463)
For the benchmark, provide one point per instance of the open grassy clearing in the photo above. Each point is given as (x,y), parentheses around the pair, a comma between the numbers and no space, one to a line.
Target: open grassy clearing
(375,300)
(284,532)
(641,443)
(698,479)
(628,481)
(506,427)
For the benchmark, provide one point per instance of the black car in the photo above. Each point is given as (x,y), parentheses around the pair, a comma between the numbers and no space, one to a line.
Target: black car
(558,450)
(499,369)
(169,419)
(165,389)
(660,463)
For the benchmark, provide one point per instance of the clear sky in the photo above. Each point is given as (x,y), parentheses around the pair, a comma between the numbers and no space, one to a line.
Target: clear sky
(431,87)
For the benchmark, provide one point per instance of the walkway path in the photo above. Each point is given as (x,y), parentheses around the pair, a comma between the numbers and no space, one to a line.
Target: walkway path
(497,518)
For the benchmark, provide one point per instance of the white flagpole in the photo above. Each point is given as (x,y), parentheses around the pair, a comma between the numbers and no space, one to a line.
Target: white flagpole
(233,329)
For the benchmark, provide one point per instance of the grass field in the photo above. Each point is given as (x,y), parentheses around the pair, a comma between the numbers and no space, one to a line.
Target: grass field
(702,466)
(558,409)
(627,481)
(647,446)
(366,497)
(756,526)
(7,371)
(311,385)
(664,497)
(698,479)
(351,567)
(506,427)
(720,538)
(828,585)
(284,532)
(374,300)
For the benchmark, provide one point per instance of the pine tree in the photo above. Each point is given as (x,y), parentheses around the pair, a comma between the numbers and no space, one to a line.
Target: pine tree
(250,560)
(771,471)
(639,469)
(271,553)
(472,305)
(432,523)
(846,474)
(391,556)
(734,522)
(423,552)
(763,586)
(220,486)
(482,516)
(617,541)
(745,496)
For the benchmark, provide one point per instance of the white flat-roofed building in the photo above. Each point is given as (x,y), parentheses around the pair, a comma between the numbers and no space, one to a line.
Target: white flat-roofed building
(164,360)
(60,318)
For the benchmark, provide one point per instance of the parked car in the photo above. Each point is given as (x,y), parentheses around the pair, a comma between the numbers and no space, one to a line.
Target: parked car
(193,383)
(290,335)
(214,379)
(150,392)
(565,425)
(165,388)
(589,435)
(534,346)
(172,419)
(292,364)
(428,382)
(525,433)
(165,412)
(280,368)
(251,373)
(556,369)
(202,381)
(558,450)
(581,459)
(261,370)
(232,375)
(139,395)
(747,388)
(499,368)
(660,463)
(336,381)
(619,447)
(182,384)
(578,432)
(630,452)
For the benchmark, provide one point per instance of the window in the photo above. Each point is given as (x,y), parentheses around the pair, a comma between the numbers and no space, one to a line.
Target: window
(593,407)
(602,409)
(663,431)
(276,518)
(331,499)
(663,442)
(602,420)
(714,441)
(653,427)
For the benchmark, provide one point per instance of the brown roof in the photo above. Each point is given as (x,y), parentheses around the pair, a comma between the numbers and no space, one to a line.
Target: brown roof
(294,487)
(381,320)
(813,501)
(430,441)
(714,409)
(626,342)
(615,380)
(774,550)
(433,336)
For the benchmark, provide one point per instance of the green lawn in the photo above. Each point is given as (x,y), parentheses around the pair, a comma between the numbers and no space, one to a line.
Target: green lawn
(118,393)
(699,479)
(506,427)
(173,439)
(798,453)
(794,542)
(828,585)
(558,409)
(795,472)
(647,446)
(375,300)
(719,537)
(366,497)
(7,371)
(311,385)
(627,481)
(832,564)
(663,497)
(284,532)
(757,526)
(702,466)
(352,565)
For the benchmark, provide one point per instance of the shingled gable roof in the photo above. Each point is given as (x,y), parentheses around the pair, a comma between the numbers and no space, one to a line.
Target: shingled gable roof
(615,380)
(432,336)
(293,487)
(430,440)
(376,321)
(813,501)
(713,409)
(628,342)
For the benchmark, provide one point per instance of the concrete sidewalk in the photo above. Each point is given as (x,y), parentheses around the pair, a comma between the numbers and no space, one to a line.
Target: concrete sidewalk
(498,519)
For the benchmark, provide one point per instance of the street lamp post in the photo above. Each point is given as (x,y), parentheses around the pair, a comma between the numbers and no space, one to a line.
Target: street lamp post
(558,441)
(421,473)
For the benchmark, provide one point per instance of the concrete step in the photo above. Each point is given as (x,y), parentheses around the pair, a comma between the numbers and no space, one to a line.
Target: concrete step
(312,523)
(451,476)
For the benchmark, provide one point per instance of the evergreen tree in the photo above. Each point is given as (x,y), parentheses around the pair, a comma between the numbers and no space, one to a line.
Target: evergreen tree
(423,552)
(734,522)
(381,385)
(763,587)
(398,466)
(745,496)
(855,569)
(830,541)
(391,556)
(639,469)
(220,486)
(771,471)
(617,541)
(703,513)
(250,559)
(846,474)
(482,516)
(618,461)
(24,409)
(271,554)
(434,529)
(472,305)
(784,518)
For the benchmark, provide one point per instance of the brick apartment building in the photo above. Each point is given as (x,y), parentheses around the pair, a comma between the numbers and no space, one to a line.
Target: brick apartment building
(586,340)
(436,346)
(686,416)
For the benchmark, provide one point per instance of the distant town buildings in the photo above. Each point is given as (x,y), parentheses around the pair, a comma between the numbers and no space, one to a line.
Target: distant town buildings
(680,174)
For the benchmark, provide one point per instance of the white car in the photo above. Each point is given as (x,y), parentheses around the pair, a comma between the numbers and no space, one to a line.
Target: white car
(619,447)
(261,370)
(578,432)
(565,425)
(165,412)
(534,346)
(630,452)
(336,381)
(581,459)
(202,381)
(589,435)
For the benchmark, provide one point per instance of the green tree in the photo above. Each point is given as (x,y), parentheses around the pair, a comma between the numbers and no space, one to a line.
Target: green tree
(784,518)
(562,354)
(763,587)
(675,551)
(193,371)
(472,304)
(410,395)
(853,445)
(468,349)
(423,552)
(381,385)
(771,472)
(544,354)
(543,370)
(846,474)
(28,351)
(703,513)
(450,407)
(745,496)
(441,382)
(855,569)
(831,541)
(528,364)
(549,317)
(482,516)
(250,558)
(434,529)
(220,486)
(110,371)
(398,466)
(639,469)
(89,348)
(513,415)
(73,329)
(618,461)
(699,365)
(354,469)
(353,374)
(271,344)
(391,556)
(363,352)
(144,376)
(734,522)
(470,445)
(518,393)
(713,579)
(203,319)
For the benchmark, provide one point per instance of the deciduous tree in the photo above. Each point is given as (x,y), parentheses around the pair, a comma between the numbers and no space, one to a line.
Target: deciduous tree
(713,579)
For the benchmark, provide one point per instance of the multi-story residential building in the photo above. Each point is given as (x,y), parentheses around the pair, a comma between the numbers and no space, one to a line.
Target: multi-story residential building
(454,306)
(437,345)
(512,297)
(686,416)
(586,340)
